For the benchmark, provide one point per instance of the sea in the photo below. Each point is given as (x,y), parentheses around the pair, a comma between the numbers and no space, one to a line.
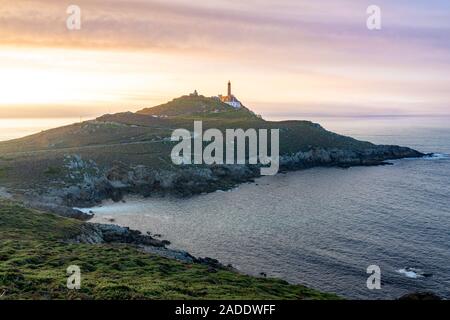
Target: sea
(324,227)
(13,128)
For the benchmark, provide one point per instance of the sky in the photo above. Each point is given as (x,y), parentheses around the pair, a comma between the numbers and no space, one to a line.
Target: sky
(284,57)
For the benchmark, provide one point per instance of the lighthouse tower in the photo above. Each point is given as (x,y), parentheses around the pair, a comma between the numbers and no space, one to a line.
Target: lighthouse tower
(230,99)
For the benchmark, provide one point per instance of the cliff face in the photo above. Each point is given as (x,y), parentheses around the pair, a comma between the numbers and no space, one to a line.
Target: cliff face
(376,155)
(121,179)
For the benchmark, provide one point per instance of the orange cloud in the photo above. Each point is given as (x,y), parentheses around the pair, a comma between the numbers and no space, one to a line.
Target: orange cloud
(290,52)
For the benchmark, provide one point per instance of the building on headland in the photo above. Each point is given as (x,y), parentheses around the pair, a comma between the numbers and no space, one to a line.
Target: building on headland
(230,99)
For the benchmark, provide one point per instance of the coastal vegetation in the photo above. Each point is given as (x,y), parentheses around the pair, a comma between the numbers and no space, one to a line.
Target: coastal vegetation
(36,248)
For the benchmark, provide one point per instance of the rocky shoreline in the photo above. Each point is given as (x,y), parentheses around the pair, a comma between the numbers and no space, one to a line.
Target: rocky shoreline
(120,180)
(96,233)
(88,185)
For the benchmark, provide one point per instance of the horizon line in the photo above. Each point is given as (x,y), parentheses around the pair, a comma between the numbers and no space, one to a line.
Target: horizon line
(324,115)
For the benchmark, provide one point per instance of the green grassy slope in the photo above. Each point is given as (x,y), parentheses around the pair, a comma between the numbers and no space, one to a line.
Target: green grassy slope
(34,258)
(143,138)
(198,106)
(153,125)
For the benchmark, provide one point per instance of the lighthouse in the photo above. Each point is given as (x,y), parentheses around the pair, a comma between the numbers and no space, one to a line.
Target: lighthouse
(230,99)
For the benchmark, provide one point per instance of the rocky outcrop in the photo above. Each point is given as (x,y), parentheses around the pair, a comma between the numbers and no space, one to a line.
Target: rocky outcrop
(109,233)
(213,264)
(179,255)
(61,210)
(96,233)
(87,185)
(5,194)
(116,234)
(121,179)
(346,157)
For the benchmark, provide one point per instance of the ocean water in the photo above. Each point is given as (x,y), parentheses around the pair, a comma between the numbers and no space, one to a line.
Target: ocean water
(13,128)
(323,227)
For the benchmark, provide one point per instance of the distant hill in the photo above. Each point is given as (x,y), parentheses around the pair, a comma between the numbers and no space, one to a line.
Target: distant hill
(156,123)
(80,163)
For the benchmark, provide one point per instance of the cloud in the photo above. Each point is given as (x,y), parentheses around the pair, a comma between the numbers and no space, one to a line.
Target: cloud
(309,46)
(215,25)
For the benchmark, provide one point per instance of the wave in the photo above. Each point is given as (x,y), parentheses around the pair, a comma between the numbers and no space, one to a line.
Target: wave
(414,273)
(437,156)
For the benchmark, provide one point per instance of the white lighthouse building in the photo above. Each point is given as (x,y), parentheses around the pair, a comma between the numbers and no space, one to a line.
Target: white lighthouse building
(230,99)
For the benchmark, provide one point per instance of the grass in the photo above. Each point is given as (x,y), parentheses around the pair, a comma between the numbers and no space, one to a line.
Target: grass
(3,172)
(199,106)
(51,171)
(34,257)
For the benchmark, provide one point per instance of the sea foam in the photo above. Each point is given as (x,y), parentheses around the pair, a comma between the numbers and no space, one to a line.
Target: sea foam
(437,156)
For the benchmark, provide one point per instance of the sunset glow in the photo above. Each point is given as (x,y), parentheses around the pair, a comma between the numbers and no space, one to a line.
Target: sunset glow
(288,57)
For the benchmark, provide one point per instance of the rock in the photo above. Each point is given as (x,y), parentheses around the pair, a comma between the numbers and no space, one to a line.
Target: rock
(212,263)
(345,158)
(420,296)
(119,174)
(169,253)
(110,233)
(60,210)
(116,195)
(4,193)
(116,234)
(94,233)
(212,270)
(88,234)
